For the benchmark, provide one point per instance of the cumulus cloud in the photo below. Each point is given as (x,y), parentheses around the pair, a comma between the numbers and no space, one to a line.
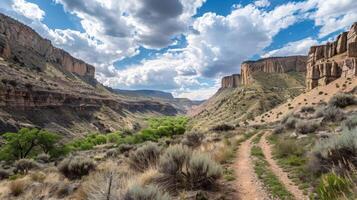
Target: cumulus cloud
(300,47)
(29,10)
(262,3)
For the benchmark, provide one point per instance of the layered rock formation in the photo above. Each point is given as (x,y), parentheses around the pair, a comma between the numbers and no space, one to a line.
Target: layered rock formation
(23,45)
(232,81)
(328,62)
(272,65)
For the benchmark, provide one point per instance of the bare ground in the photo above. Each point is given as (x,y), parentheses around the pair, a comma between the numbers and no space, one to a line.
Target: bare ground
(247,184)
(282,176)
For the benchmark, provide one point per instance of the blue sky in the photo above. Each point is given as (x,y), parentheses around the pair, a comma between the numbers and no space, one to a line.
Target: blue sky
(180,46)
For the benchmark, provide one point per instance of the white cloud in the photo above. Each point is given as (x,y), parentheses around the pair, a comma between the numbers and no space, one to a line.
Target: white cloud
(300,47)
(333,15)
(29,10)
(262,3)
(197,94)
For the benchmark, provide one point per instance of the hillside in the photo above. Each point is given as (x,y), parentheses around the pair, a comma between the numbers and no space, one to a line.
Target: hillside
(43,86)
(233,105)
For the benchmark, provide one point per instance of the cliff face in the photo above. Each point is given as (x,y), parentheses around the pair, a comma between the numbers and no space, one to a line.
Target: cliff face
(272,65)
(21,44)
(328,62)
(232,81)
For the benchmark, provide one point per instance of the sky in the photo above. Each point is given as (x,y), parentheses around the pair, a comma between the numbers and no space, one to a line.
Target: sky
(180,46)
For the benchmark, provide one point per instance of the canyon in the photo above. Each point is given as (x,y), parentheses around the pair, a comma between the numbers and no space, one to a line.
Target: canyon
(333,60)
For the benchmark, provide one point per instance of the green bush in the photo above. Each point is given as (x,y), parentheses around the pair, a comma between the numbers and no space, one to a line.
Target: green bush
(342,100)
(351,122)
(145,193)
(76,167)
(305,127)
(114,137)
(288,147)
(24,165)
(332,187)
(179,168)
(336,152)
(144,157)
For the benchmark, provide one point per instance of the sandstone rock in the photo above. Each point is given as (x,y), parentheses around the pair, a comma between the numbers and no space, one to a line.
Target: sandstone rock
(21,44)
(328,62)
(272,65)
(232,81)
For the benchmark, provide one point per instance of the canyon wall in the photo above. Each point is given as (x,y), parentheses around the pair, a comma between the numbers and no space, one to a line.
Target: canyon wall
(272,65)
(231,81)
(23,45)
(328,62)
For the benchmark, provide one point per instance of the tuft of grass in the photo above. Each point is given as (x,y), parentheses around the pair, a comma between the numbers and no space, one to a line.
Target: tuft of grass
(332,187)
(17,187)
(144,157)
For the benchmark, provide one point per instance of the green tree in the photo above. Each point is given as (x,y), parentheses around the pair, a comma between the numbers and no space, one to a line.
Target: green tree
(47,140)
(22,143)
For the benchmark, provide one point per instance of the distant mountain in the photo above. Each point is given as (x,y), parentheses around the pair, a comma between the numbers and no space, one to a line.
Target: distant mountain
(182,104)
(145,93)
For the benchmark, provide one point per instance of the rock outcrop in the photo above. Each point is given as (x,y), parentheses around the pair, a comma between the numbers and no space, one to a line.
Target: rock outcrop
(232,81)
(337,59)
(23,45)
(272,65)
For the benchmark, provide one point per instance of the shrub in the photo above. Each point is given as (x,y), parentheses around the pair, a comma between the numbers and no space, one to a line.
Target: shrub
(43,157)
(113,137)
(24,165)
(4,174)
(333,114)
(179,168)
(76,167)
(125,148)
(342,100)
(223,127)
(307,109)
(332,186)
(288,147)
(278,129)
(112,153)
(193,139)
(305,127)
(145,193)
(144,157)
(336,152)
(290,122)
(38,177)
(17,187)
(351,122)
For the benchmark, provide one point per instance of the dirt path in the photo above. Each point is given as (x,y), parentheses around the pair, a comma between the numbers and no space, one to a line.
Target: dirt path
(283,176)
(248,185)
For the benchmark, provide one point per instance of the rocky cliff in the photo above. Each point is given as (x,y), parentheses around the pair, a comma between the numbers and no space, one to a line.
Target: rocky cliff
(328,62)
(232,81)
(272,65)
(23,45)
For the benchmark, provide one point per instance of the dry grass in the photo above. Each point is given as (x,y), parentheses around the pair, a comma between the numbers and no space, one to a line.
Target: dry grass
(17,187)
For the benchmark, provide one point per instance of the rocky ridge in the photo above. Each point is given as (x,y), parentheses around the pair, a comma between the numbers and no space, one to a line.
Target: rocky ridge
(23,45)
(333,60)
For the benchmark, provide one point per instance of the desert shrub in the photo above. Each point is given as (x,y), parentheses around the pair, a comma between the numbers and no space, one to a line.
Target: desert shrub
(342,100)
(125,148)
(307,109)
(332,186)
(76,167)
(112,153)
(114,137)
(333,114)
(305,127)
(38,177)
(4,174)
(335,153)
(290,122)
(278,129)
(288,147)
(351,122)
(222,127)
(144,157)
(43,157)
(17,187)
(179,168)
(24,165)
(145,193)
(193,139)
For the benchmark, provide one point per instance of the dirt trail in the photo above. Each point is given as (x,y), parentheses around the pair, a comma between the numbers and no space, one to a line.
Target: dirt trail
(282,176)
(248,185)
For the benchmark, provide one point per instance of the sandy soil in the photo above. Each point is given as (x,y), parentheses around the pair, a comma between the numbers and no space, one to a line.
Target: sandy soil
(282,176)
(248,185)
